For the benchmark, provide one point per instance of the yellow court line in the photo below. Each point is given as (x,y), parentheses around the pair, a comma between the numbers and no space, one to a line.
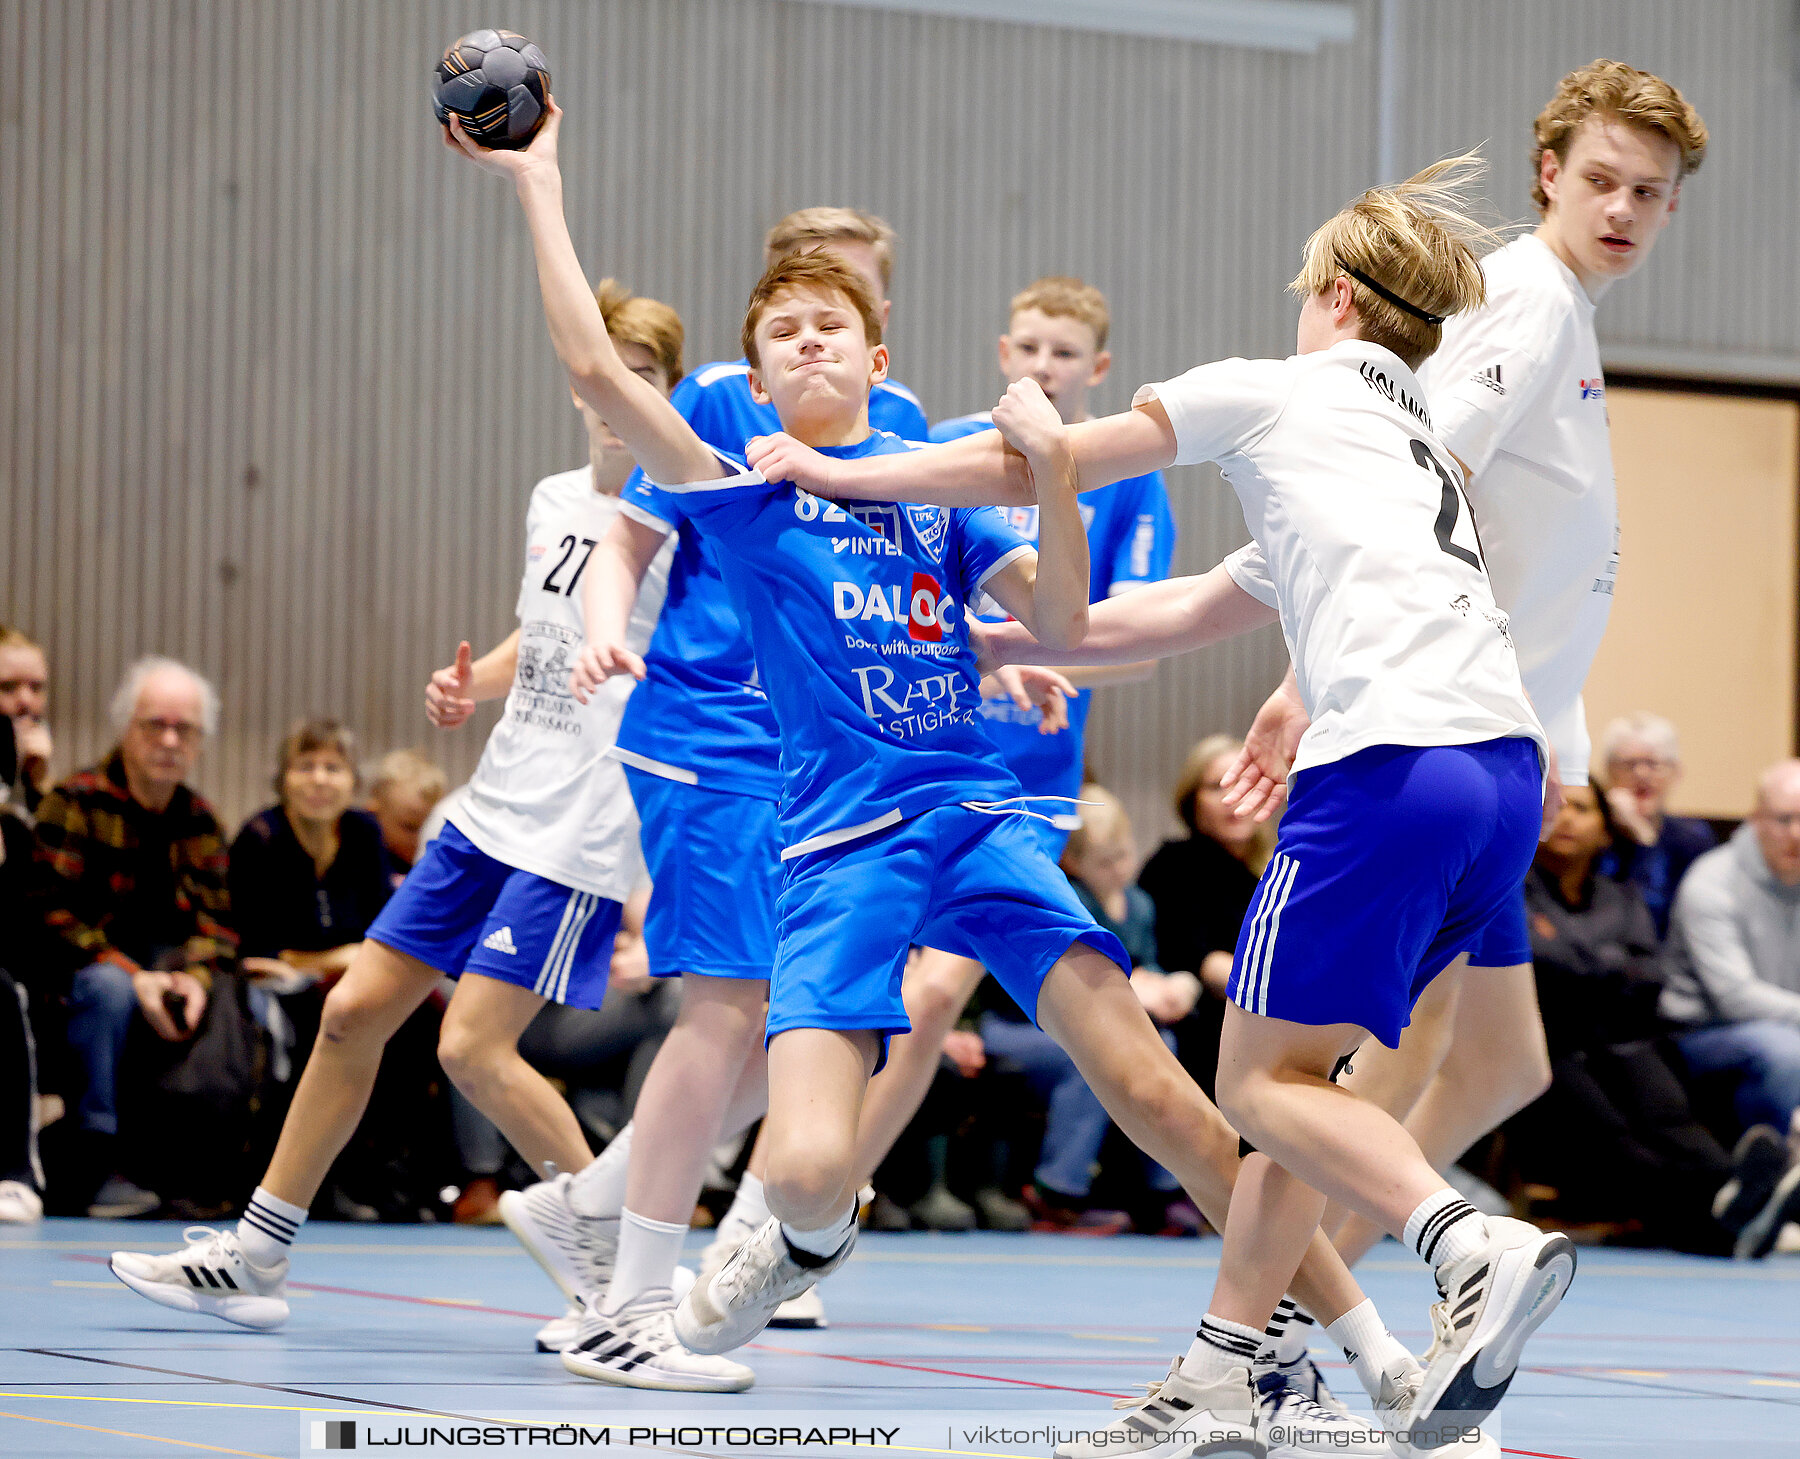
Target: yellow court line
(182,1403)
(1773,1383)
(1112,1337)
(954,1327)
(127,1434)
(98,1286)
(1636,1373)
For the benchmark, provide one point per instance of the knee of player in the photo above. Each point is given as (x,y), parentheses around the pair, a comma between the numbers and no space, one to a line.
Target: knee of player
(347,1017)
(1240,1091)
(468,1055)
(805,1182)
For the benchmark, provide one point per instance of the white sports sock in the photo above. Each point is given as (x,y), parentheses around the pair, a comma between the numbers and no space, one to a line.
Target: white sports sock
(1370,1348)
(749,1207)
(1445,1228)
(827,1240)
(598,1189)
(1290,1330)
(648,1251)
(1218,1347)
(268,1227)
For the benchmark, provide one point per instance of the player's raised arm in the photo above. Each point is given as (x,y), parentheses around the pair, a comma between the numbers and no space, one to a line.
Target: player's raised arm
(652,430)
(975,471)
(1049,594)
(1151,622)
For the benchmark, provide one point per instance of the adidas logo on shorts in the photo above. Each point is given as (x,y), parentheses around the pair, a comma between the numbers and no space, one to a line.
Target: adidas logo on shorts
(500,941)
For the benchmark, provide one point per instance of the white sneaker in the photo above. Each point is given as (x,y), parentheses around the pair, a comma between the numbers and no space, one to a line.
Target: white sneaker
(210,1275)
(576,1252)
(805,1311)
(1176,1419)
(737,1303)
(636,1347)
(1291,1425)
(1399,1388)
(1304,1377)
(559,1332)
(1493,1301)
(20,1204)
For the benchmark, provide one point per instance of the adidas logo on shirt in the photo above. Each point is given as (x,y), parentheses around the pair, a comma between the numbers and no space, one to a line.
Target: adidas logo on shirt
(500,941)
(1490,377)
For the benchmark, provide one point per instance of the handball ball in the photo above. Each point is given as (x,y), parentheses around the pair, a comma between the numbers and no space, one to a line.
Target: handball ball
(496,81)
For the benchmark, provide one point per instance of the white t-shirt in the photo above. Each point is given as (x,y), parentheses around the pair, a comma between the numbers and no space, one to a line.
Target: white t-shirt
(1363,543)
(547,796)
(1517,393)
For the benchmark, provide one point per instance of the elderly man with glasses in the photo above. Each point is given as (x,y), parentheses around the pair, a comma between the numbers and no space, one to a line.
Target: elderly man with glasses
(1734,956)
(1640,756)
(132,866)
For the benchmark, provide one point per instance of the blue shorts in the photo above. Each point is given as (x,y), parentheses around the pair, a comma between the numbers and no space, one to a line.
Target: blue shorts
(461,911)
(715,871)
(968,883)
(1388,865)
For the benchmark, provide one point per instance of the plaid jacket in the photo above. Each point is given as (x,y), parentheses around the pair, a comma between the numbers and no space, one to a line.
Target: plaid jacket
(87,850)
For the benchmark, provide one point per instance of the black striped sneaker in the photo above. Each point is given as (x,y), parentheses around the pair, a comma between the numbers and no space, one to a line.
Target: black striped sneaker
(209,1275)
(636,1347)
(1178,1418)
(1493,1301)
(575,1251)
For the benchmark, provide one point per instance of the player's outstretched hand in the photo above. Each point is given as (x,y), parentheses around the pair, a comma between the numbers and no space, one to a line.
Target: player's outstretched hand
(447,701)
(998,644)
(781,458)
(1029,421)
(598,662)
(513,162)
(1255,783)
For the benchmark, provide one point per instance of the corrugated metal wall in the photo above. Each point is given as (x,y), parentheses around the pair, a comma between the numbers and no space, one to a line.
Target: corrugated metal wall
(275,379)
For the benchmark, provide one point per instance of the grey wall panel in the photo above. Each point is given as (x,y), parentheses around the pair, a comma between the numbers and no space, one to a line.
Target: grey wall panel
(276,383)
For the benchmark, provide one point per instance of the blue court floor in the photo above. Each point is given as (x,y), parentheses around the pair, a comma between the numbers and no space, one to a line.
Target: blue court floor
(1650,1355)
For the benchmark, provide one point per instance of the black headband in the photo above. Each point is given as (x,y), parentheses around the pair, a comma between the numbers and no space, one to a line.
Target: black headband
(1389,295)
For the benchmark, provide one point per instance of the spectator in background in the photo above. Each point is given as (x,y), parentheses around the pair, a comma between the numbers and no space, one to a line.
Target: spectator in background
(1201,887)
(1641,758)
(133,869)
(1734,955)
(405,788)
(24,694)
(1642,1151)
(21,1174)
(308,876)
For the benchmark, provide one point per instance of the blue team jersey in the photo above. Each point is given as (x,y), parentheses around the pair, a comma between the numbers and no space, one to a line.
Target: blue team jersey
(701,711)
(1131,540)
(856,612)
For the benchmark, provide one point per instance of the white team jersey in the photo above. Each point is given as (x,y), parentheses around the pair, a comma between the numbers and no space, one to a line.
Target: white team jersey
(547,796)
(1516,392)
(1363,543)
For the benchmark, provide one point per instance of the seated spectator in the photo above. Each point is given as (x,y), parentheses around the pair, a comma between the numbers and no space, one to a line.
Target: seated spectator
(1641,758)
(24,694)
(307,877)
(21,1174)
(1201,887)
(405,788)
(133,880)
(1642,1152)
(1734,955)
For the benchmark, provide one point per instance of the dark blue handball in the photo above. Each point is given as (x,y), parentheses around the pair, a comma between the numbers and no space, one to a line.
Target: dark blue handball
(497,82)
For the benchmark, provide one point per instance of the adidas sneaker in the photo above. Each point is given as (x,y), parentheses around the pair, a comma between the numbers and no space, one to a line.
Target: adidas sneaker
(1178,1418)
(803,1313)
(1292,1425)
(210,1275)
(559,1332)
(576,1252)
(1492,1302)
(736,1304)
(636,1347)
